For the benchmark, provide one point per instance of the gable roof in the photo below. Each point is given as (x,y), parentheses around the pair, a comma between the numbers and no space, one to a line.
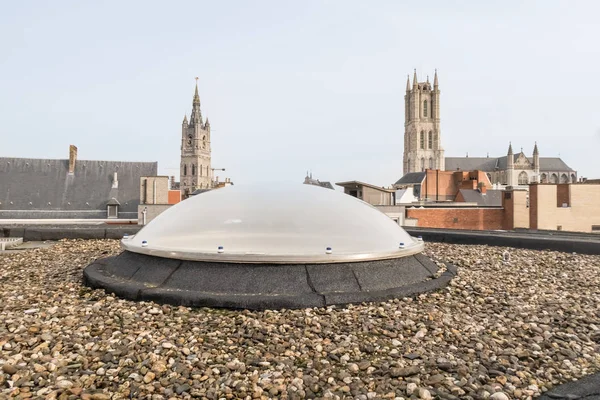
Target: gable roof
(471,163)
(411,178)
(43,184)
(489,164)
(554,164)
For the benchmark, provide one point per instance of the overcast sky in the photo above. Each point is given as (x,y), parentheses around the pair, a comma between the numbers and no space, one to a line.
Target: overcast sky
(295,85)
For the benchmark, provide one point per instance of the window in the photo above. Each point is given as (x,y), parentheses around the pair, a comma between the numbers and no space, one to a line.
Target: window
(200,169)
(553,178)
(430,163)
(425,108)
(523,178)
(544,178)
(113,211)
(595,228)
(184,170)
(193,169)
(430,140)
(573,178)
(423,164)
(422,139)
(564,178)
(408,167)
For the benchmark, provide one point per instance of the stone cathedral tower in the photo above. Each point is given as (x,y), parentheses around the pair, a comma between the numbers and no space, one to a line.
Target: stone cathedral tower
(422,136)
(195,169)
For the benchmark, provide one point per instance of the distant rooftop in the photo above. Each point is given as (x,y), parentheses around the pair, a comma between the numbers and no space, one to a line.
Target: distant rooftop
(71,184)
(308,180)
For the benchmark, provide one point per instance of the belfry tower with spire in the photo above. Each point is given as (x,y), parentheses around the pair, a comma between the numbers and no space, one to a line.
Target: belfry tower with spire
(195,168)
(422,137)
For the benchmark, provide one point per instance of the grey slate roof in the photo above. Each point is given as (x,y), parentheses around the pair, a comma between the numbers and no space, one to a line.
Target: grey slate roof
(200,191)
(41,184)
(411,178)
(493,198)
(553,164)
(490,164)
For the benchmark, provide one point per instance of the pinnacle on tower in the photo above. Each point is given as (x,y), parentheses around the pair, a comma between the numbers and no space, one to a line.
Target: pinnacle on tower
(185,118)
(510,150)
(415,79)
(435,80)
(535,150)
(196,95)
(427,78)
(196,115)
(408,83)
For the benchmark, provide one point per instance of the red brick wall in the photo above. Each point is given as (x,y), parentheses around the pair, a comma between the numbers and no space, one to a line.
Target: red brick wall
(174,196)
(508,203)
(562,195)
(533,203)
(443,181)
(458,218)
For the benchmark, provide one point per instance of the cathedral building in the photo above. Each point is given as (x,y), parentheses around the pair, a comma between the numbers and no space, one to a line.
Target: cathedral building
(516,169)
(195,168)
(423,146)
(422,136)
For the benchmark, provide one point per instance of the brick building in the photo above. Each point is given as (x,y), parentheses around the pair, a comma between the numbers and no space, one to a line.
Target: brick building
(568,207)
(443,186)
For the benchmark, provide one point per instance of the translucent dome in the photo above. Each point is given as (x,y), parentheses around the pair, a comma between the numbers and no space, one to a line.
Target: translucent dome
(273,224)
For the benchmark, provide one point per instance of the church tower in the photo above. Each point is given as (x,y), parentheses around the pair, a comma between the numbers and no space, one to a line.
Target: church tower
(422,136)
(195,169)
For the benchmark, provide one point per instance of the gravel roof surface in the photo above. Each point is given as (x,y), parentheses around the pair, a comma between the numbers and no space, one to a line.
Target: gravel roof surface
(500,330)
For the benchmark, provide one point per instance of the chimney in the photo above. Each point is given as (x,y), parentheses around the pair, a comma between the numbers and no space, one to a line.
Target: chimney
(115,183)
(172,181)
(72,159)
(482,188)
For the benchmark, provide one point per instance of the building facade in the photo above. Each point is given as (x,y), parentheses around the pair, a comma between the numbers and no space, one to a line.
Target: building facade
(195,168)
(422,136)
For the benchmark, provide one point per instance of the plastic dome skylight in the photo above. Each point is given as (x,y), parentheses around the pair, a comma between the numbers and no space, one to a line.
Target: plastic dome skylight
(273,224)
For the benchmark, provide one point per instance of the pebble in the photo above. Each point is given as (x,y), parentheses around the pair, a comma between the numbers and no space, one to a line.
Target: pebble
(149,377)
(64,384)
(9,369)
(424,394)
(502,330)
(410,388)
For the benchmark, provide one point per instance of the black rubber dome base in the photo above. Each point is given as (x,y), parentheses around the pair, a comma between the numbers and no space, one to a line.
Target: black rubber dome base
(262,286)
